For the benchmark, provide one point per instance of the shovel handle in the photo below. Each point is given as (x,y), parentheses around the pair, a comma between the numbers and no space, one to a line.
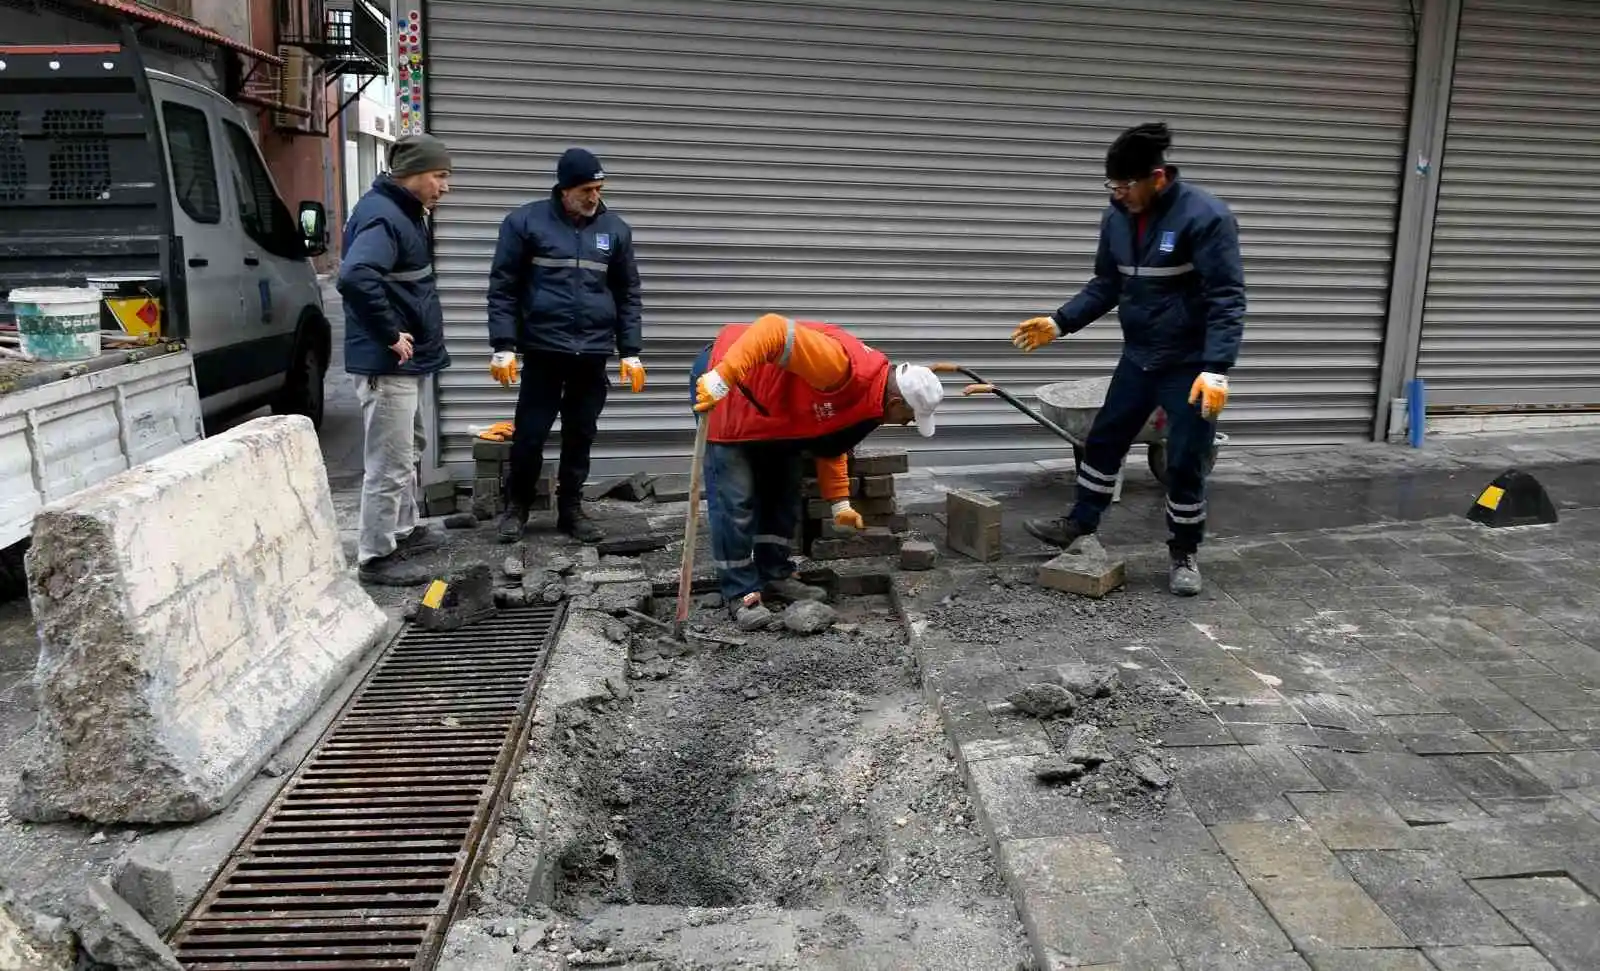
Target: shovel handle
(691,527)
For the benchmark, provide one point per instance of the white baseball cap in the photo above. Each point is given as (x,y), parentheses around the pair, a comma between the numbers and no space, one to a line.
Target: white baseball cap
(923,391)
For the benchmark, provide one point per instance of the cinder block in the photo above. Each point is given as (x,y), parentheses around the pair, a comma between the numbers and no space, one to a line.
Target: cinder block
(873,487)
(489,468)
(879,461)
(486,486)
(823,509)
(1086,569)
(973,522)
(866,542)
(895,523)
(487,451)
(673,487)
(440,491)
(193,657)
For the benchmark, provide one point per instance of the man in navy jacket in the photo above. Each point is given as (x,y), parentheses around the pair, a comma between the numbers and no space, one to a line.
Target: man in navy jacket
(393,345)
(1169,263)
(564,292)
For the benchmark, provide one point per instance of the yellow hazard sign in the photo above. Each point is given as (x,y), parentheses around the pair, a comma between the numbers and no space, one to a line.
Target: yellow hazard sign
(138,316)
(435,595)
(1490,497)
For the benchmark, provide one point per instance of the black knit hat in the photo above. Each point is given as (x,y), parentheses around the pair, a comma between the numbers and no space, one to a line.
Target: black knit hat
(416,154)
(577,167)
(1138,151)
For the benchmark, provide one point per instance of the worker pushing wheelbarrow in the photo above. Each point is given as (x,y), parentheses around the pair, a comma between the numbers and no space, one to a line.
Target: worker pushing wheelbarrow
(1168,262)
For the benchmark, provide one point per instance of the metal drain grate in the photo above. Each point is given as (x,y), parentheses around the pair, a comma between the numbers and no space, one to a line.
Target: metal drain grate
(359,861)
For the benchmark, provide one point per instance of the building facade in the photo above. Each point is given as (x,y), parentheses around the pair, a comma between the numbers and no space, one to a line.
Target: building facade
(1409,178)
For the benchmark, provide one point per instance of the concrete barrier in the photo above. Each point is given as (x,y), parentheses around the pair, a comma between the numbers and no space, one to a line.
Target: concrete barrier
(192,612)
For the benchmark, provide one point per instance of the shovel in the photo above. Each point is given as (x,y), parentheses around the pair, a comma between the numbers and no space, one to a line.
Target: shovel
(691,527)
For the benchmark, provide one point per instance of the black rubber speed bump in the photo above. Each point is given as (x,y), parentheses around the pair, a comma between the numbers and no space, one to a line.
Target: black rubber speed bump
(1514,498)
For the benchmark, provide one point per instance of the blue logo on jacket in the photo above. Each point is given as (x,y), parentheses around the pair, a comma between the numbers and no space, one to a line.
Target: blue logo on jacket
(602,242)
(1169,240)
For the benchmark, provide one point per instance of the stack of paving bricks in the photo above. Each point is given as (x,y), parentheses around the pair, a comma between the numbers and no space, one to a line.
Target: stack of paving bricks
(872,473)
(490,462)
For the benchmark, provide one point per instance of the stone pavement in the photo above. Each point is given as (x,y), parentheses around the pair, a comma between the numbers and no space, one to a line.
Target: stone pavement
(1395,764)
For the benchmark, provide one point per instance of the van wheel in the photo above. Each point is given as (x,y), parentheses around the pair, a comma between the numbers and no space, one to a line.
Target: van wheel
(303,392)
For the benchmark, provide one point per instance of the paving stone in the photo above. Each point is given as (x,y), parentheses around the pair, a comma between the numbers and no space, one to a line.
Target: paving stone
(1079,907)
(1426,898)
(1494,712)
(1354,821)
(1335,711)
(1494,776)
(1086,570)
(1013,805)
(1487,959)
(1275,735)
(972,522)
(1199,731)
(1282,768)
(1225,785)
(1386,959)
(1556,915)
(1564,770)
(1419,791)
(1301,883)
(1205,910)
(1548,839)
(1517,742)
(1395,696)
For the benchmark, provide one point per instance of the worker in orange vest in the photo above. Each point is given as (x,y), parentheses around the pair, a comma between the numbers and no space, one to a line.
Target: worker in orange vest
(780,388)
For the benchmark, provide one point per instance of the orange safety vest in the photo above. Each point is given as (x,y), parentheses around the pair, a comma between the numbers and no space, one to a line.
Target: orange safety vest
(774,405)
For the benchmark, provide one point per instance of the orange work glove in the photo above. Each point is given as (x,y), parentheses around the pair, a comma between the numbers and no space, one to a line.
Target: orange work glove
(632,373)
(500,431)
(847,518)
(503,367)
(709,390)
(1034,333)
(1210,391)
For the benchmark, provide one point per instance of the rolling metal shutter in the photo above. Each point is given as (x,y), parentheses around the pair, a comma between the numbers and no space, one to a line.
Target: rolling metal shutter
(928,173)
(1513,303)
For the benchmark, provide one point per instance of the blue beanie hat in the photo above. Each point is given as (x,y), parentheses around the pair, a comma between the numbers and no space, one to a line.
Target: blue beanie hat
(578,166)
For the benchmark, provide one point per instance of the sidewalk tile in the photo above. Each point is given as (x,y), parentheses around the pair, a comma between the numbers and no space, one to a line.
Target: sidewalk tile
(1427,898)
(1354,821)
(1487,959)
(1224,785)
(1557,915)
(1388,959)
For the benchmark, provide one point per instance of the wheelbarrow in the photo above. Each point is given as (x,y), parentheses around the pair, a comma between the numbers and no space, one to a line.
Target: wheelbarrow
(1068,409)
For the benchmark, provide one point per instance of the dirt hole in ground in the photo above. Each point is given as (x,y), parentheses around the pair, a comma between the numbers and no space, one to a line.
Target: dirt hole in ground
(803,774)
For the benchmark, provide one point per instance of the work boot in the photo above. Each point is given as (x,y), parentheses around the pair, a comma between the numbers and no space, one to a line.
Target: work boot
(394,570)
(577,524)
(1184,580)
(791,590)
(512,522)
(420,540)
(1062,532)
(749,613)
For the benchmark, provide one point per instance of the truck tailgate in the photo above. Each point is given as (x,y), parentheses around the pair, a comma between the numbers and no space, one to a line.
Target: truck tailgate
(66,427)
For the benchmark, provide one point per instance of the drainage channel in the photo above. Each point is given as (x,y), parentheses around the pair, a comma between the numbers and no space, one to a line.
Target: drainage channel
(360,861)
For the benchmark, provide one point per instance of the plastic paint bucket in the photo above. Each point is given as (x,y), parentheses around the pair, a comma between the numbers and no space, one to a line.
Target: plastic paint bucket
(58,323)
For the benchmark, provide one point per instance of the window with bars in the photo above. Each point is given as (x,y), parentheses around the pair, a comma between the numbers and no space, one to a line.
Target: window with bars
(80,156)
(13,163)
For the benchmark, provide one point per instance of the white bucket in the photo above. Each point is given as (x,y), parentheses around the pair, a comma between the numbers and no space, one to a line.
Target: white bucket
(58,323)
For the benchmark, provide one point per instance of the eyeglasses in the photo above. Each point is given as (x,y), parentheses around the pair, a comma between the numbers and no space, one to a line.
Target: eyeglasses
(1122,186)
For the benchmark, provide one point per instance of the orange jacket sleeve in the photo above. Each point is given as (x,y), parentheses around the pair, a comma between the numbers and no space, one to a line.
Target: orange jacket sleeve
(833,477)
(810,355)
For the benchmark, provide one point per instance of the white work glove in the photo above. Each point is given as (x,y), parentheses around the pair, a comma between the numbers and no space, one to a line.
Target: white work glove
(709,390)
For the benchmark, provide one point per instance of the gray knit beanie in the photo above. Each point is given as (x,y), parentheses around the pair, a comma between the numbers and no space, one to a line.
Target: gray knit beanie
(416,154)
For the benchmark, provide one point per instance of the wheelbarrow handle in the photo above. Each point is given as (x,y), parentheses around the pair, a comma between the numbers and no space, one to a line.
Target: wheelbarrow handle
(984,386)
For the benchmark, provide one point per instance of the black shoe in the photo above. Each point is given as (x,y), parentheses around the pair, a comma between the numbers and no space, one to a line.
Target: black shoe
(1184,577)
(394,570)
(1061,532)
(420,540)
(577,524)
(512,523)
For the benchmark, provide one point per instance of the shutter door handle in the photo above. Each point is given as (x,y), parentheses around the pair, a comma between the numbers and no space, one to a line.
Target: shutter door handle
(199,261)
(251,261)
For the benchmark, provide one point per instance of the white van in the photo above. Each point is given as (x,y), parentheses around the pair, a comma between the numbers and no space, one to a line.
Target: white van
(143,183)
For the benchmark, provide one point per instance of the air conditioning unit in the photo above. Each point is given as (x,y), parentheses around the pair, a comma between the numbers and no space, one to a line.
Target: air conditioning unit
(296,84)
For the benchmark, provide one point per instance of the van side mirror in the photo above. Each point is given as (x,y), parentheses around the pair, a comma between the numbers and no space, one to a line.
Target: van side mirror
(314,227)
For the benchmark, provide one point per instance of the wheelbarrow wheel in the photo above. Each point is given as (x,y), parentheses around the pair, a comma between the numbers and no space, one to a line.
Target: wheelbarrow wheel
(1157,457)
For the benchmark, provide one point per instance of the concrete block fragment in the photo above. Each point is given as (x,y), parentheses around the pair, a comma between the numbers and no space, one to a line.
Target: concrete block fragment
(484,450)
(489,469)
(973,524)
(586,667)
(809,617)
(673,487)
(600,488)
(918,554)
(173,661)
(465,597)
(872,541)
(873,487)
(33,941)
(1086,569)
(440,491)
(879,461)
(1043,700)
(485,485)
(113,933)
(634,545)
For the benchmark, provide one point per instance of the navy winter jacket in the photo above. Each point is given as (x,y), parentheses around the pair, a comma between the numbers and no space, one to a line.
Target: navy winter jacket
(558,286)
(1180,295)
(387,282)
